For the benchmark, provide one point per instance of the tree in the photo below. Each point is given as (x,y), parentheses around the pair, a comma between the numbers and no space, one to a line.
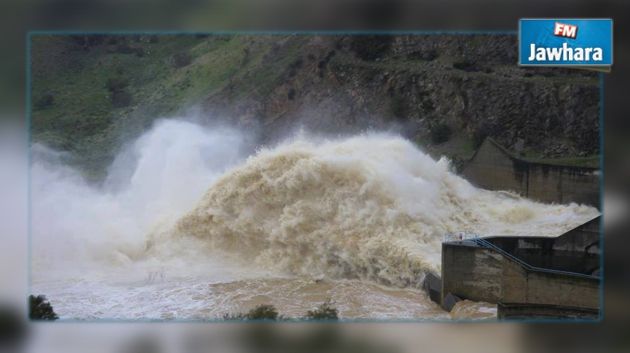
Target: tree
(323,312)
(260,312)
(40,309)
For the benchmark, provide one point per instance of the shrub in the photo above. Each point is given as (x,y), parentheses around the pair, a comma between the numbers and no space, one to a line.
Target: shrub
(120,96)
(428,55)
(116,84)
(139,51)
(465,66)
(44,101)
(231,317)
(124,48)
(323,312)
(263,312)
(440,133)
(88,41)
(480,135)
(260,312)
(121,99)
(40,309)
(295,66)
(399,107)
(181,60)
(371,47)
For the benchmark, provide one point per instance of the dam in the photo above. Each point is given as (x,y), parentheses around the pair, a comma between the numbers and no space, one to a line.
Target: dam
(365,213)
(527,277)
(493,167)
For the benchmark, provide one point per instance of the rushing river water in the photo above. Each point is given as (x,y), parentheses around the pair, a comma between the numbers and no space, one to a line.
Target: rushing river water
(194,224)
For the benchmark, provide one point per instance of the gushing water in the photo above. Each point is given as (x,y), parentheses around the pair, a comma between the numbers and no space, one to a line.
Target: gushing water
(369,207)
(191,224)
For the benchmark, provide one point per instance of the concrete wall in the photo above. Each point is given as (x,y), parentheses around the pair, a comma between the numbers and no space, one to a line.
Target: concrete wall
(523,286)
(482,274)
(584,238)
(471,272)
(493,167)
(575,251)
(528,311)
(561,184)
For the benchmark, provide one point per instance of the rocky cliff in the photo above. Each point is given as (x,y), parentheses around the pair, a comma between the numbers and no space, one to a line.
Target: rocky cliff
(445,91)
(428,87)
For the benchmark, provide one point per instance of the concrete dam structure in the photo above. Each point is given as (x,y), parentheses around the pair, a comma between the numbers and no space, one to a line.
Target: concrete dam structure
(495,168)
(527,277)
(531,277)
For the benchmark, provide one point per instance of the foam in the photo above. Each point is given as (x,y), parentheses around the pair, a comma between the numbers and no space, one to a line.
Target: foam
(370,207)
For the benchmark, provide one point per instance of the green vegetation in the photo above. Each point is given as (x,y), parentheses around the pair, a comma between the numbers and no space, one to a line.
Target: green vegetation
(441,133)
(399,107)
(323,312)
(93,93)
(480,135)
(260,312)
(40,309)
(181,59)
(371,47)
(101,90)
(589,161)
(266,312)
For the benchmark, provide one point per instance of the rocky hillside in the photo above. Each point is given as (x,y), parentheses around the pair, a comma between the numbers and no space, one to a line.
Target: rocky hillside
(447,92)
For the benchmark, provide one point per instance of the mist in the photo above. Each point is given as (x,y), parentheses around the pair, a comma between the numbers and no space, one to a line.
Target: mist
(78,227)
(196,221)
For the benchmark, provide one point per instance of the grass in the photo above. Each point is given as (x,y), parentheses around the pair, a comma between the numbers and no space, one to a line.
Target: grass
(459,146)
(589,161)
(74,110)
(82,118)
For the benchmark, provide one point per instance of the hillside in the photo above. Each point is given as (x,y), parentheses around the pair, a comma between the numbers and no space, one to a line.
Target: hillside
(90,94)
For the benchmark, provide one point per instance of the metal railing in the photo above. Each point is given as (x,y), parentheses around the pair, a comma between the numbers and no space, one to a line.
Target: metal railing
(486,244)
(459,236)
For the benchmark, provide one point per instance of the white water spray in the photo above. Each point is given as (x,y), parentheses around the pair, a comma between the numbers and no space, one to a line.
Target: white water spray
(187,226)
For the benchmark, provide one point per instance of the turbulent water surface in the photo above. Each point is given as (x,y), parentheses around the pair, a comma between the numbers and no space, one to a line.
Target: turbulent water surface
(191,224)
